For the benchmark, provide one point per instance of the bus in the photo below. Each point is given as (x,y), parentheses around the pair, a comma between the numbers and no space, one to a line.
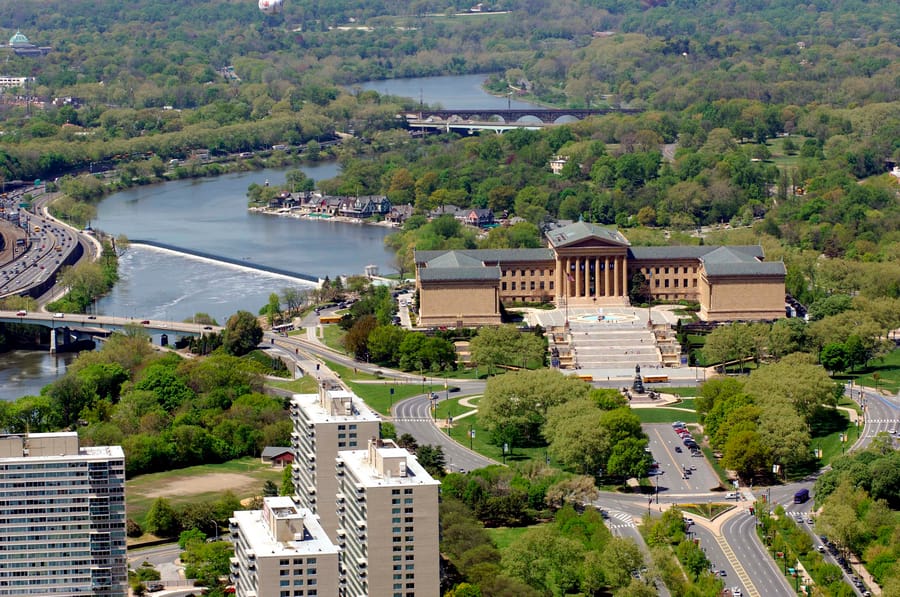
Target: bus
(801,496)
(37,229)
(283,328)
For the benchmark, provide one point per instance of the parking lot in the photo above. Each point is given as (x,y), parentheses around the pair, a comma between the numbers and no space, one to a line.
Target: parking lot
(679,471)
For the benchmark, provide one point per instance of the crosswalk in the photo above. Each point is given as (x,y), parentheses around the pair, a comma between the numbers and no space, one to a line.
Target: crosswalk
(413,420)
(619,520)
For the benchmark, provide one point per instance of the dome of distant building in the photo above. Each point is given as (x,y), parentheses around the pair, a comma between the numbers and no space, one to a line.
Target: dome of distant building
(18,39)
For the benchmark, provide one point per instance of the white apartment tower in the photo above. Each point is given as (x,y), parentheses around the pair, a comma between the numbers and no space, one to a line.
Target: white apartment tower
(324,424)
(281,551)
(62,517)
(388,534)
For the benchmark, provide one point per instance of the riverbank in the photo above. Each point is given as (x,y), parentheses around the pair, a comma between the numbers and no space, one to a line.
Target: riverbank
(302,214)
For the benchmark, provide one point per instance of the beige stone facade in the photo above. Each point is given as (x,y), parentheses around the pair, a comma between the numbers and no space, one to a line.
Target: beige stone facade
(389,531)
(588,265)
(281,550)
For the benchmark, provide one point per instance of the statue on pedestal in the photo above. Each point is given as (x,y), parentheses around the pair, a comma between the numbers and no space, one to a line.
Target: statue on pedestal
(638,384)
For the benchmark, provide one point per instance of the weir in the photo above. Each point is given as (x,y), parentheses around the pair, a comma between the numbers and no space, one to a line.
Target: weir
(225,260)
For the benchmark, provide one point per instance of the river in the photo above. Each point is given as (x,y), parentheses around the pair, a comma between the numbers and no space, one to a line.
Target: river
(210,215)
(456,92)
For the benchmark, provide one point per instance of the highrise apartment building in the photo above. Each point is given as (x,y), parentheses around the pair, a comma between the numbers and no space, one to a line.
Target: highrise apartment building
(324,425)
(388,533)
(62,517)
(281,551)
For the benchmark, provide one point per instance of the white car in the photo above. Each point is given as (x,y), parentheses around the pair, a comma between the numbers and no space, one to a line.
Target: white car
(58,315)
(736,592)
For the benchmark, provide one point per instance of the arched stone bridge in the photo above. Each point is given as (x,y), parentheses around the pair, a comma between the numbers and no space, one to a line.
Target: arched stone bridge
(547,116)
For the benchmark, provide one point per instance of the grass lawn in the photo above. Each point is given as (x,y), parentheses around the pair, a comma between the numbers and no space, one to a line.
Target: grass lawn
(503,537)
(452,408)
(707,511)
(245,477)
(682,392)
(664,415)
(305,385)
(378,395)
(830,444)
(887,370)
(349,373)
(331,337)
(687,403)
(460,432)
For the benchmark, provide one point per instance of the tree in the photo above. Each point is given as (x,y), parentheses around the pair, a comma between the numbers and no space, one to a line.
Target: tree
(514,406)
(494,346)
(356,340)
(575,491)
(628,458)
(432,459)
(795,378)
(621,557)
(242,334)
(162,520)
(273,309)
(834,357)
(545,560)
(269,488)
(287,482)
(744,453)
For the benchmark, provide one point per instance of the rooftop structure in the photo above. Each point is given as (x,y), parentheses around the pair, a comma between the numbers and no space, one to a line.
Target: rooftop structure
(325,424)
(282,550)
(389,531)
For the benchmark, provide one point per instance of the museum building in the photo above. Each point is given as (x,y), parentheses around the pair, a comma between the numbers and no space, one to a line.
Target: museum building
(588,265)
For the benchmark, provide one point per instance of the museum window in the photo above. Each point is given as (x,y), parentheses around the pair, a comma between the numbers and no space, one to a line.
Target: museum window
(551,284)
(503,286)
(685,282)
(667,283)
(676,282)
(513,285)
(532,284)
(695,283)
(656,282)
(522,273)
(532,272)
(657,270)
(542,285)
(666,271)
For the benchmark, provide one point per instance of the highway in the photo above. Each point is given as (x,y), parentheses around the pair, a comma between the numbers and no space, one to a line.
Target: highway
(49,245)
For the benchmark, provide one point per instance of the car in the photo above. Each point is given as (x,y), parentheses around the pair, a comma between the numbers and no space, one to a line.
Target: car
(678,449)
(820,549)
(736,592)
(92,317)
(688,521)
(145,322)
(207,327)
(21,313)
(809,520)
(58,315)
(732,495)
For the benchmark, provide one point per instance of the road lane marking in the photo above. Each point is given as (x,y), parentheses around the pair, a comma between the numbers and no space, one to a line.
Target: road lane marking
(736,565)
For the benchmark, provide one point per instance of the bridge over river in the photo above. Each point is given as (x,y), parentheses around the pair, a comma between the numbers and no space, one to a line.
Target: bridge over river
(503,120)
(69,328)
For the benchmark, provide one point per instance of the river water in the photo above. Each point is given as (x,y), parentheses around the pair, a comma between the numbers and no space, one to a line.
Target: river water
(210,215)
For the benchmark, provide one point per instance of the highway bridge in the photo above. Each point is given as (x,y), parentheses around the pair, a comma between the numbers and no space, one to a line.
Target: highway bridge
(66,328)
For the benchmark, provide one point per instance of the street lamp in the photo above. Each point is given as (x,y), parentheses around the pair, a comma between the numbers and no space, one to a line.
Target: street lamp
(216,527)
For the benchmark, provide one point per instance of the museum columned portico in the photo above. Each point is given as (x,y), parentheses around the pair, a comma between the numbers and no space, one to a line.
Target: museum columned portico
(591,265)
(590,279)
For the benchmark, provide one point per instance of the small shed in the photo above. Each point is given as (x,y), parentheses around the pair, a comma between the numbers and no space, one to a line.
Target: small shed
(278,455)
